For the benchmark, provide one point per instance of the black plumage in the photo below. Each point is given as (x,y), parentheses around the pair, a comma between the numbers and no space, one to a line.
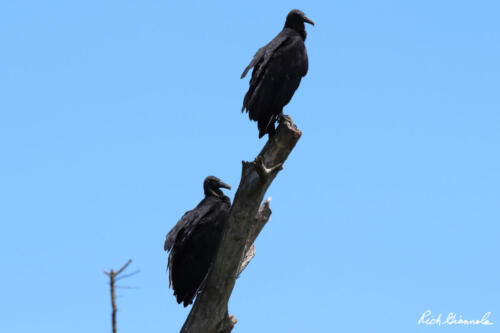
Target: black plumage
(278,68)
(193,241)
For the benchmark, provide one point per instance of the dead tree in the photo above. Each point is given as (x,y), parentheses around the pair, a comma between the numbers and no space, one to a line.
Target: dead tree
(113,277)
(209,313)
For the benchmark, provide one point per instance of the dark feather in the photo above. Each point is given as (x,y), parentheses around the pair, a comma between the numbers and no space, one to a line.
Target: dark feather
(265,53)
(193,242)
(278,68)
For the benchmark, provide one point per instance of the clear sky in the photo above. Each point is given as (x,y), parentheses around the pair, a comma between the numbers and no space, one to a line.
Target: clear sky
(113,112)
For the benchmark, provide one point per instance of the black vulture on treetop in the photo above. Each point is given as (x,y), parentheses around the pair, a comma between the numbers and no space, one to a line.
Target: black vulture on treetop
(278,68)
(192,242)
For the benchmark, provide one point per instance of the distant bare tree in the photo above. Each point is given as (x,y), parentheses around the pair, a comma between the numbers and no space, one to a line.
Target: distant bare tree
(113,277)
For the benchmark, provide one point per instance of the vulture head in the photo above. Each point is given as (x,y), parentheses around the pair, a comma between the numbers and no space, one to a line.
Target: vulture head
(296,19)
(212,186)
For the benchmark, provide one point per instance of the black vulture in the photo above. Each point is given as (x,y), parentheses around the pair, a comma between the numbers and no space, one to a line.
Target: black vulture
(278,68)
(192,242)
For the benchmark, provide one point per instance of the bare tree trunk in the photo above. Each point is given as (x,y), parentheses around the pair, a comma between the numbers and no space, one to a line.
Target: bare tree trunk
(210,310)
(113,300)
(112,279)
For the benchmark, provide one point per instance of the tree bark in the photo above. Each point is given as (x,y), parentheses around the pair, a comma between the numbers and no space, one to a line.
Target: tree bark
(209,313)
(261,219)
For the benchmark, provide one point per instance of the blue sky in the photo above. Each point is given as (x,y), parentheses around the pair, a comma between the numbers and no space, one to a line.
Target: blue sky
(112,113)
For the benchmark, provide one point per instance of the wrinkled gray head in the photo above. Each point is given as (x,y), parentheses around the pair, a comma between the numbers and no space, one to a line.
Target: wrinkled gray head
(212,186)
(296,19)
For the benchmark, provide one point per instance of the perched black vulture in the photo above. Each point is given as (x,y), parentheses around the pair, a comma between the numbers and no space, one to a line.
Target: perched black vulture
(192,242)
(278,68)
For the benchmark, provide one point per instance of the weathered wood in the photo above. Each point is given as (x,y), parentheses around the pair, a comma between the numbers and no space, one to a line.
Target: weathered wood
(261,219)
(210,310)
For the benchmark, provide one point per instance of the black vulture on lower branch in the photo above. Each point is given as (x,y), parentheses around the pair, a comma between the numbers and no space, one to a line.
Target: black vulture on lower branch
(192,242)
(278,68)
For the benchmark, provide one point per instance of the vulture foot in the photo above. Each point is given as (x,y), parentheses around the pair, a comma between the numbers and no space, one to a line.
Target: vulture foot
(284,117)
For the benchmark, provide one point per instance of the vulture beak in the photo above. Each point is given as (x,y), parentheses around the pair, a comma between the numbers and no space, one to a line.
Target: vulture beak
(308,20)
(224,185)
